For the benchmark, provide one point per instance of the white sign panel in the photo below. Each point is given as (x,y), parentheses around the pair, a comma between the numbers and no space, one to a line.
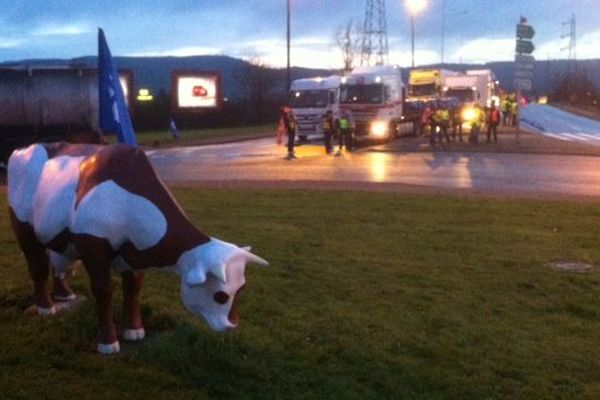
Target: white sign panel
(523,84)
(523,74)
(197,92)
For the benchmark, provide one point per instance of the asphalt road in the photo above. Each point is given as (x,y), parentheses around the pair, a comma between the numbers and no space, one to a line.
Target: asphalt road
(262,161)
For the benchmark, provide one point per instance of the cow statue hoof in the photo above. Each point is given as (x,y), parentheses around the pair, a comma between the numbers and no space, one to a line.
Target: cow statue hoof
(46,311)
(134,334)
(108,348)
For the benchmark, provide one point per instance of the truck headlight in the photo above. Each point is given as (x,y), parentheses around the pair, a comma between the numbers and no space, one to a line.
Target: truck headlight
(379,128)
(468,114)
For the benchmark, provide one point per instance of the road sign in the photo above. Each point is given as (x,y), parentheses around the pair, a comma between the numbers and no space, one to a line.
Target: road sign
(526,59)
(527,67)
(525,31)
(519,73)
(524,46)
(523,84)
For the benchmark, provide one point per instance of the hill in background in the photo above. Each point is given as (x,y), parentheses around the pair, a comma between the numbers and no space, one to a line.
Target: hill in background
(154,73)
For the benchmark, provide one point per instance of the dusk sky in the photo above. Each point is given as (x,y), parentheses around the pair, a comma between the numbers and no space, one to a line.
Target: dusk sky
(477,31)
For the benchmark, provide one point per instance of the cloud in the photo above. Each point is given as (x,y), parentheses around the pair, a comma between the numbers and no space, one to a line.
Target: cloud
(484,50)
(8,43)
(178,52)
(60,30)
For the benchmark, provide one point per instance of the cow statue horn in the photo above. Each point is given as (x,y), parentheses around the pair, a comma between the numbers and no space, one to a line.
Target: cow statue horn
(253,258)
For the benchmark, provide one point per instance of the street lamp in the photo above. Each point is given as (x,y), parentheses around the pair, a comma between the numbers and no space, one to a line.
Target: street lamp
(414,8)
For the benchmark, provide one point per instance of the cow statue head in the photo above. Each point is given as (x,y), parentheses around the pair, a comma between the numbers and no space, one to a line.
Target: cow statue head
(212,276)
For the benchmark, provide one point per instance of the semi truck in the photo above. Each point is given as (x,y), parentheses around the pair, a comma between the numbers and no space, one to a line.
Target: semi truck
(472,87)
(375,96)
(486,86)
(428,84)
(463,87)
(50,103)
(310,99)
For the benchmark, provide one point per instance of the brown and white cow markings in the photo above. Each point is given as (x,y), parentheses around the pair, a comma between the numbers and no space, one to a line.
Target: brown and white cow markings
(107,206)
(130,169)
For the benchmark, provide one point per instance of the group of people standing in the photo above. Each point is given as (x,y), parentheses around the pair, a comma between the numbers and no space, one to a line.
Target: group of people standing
(510,108)
(439,118)
(341,127)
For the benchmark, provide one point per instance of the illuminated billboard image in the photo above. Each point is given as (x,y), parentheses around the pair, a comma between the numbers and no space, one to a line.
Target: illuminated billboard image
(196,91)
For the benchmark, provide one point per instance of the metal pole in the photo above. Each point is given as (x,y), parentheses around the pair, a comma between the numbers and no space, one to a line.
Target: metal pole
(443,29)
(412,31)
(289,78)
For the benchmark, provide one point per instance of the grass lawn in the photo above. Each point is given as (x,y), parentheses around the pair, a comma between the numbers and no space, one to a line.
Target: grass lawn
(368,296)
(200,136)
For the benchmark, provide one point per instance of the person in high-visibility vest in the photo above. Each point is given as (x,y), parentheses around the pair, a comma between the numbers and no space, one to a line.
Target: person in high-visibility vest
(291,125)
(493,120)
(505,110)
(345,125)
(476,120)
(514,110)
(442,116)
(328,125)
(457,122)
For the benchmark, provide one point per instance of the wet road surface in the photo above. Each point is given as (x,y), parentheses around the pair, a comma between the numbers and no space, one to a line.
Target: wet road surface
(262,160)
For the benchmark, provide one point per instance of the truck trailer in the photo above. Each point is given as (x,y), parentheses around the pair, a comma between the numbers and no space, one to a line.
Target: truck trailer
(50,103)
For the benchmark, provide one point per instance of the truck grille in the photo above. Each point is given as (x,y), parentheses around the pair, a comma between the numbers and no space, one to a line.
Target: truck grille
(362,119)
(308,123)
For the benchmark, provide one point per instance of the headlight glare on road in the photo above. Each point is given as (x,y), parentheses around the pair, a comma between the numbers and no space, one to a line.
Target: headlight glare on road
(379,129)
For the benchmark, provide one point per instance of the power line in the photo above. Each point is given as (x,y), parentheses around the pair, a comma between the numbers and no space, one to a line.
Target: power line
(572,35)
(374,34)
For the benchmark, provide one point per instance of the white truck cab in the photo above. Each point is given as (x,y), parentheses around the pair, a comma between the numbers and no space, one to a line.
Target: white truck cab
(310,99)
(375,96)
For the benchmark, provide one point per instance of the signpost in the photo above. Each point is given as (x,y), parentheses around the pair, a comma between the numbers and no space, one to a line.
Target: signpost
(524,62)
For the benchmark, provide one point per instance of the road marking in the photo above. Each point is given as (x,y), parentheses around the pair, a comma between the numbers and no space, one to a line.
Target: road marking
(574,136)
(556,136)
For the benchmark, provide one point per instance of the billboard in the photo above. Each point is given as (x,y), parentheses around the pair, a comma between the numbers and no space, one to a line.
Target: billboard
(195,91)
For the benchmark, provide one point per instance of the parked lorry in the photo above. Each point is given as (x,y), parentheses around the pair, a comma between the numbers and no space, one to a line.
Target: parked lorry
(310,99)
(427,84)
(49,103)
(486,86)
(463,87)
(375,96)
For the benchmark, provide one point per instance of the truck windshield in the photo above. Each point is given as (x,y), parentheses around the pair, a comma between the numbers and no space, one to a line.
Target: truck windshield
(464,95)
(423,90)
(309,98)
(362,94)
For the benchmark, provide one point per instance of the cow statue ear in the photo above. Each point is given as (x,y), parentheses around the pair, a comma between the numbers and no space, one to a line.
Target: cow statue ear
(218,270)
(195,276)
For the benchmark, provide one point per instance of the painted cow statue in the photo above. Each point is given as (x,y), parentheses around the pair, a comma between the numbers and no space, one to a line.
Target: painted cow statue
(106,206)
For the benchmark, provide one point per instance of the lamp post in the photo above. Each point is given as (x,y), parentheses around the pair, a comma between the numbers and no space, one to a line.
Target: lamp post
(444,15)
(414,8)
(289,79)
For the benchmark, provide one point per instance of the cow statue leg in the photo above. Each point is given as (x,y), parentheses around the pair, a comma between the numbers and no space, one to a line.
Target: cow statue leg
(37,263)
(60,267)
(133,328)
(96,254)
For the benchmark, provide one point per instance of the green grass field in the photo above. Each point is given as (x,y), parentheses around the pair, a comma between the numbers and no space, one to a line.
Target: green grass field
(200,136)
(368,296)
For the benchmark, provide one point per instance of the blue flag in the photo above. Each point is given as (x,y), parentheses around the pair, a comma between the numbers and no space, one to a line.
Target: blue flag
(114,115)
